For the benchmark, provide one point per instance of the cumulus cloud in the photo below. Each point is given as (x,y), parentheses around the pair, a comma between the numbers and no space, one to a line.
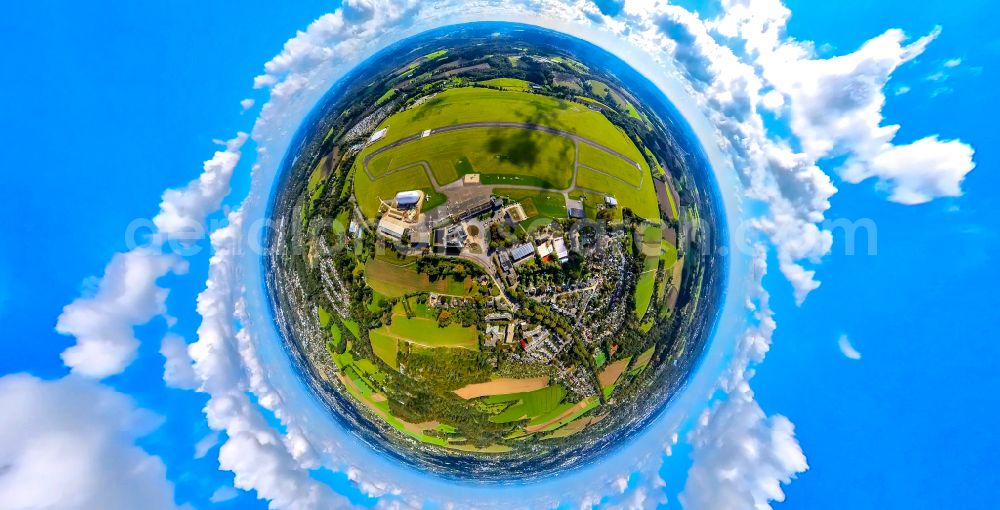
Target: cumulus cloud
(183,211)
(254,451)
(247,104)
(836,103)
(70,444)
(740,455)
(177,370)
(127,296)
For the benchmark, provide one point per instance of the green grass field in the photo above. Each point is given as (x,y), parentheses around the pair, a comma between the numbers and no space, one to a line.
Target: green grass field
(600,160)
(543,157)
(368,192)
(642,201)
(508,84)
(536,204)
(601,89)
(425,332)
(531,404)
(389,94)
(394,281)
(470,104)
(385,347)
(644,286)
(436,55)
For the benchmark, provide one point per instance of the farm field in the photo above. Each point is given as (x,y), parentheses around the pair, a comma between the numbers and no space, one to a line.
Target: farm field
(385,347)
(527,405)
(642,201)
(502,386)
(391,280)
(427,333)
(508,84)
(644,287)
(602,90)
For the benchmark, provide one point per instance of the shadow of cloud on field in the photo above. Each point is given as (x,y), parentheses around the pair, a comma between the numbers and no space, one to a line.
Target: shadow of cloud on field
(525,147)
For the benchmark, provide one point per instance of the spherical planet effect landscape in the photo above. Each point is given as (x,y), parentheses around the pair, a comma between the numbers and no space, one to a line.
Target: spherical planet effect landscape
(497,251)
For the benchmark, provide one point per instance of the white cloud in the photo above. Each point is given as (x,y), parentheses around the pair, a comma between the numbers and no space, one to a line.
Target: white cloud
(848,350)
(254,451)
(740,455)
(177,369)
(917,172)
(223,494)
(70,444)
(183,211)
(247,104)
(126,296)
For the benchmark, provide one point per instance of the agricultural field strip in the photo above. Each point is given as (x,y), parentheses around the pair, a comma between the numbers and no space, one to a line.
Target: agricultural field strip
(473,125)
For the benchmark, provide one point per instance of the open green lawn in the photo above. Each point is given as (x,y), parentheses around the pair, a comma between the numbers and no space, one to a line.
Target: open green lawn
(536,204)
(642,201)
(508,83)
(426,332)
(386,187)
(385,347)
(502,155)
(644,287)
(543,158)
(610,164)
(394,281)
(389,94)
(658,168)
(470,104)
(531,404)
(435,55)
(324,316)
(337,334)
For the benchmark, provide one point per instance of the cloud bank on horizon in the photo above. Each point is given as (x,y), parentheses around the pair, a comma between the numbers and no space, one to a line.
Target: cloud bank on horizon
(737,67)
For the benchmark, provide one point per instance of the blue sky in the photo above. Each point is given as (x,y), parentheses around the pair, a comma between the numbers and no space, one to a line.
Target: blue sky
(107,107)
